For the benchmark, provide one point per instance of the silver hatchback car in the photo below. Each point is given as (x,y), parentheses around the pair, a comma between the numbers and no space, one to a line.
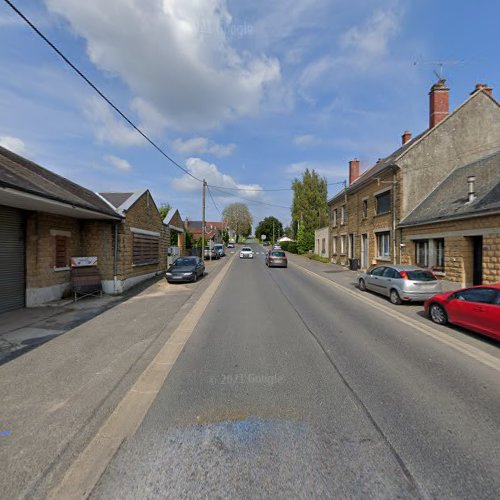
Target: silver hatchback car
(400,283)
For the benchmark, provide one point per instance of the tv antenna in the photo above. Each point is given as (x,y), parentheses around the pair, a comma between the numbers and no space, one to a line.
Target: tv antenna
(438,66)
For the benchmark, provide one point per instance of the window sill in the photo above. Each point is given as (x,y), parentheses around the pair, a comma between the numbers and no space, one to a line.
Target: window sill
(385,259)
(383,213)
(58,269)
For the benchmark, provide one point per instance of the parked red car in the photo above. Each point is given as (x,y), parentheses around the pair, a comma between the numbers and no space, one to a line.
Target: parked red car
(476,308)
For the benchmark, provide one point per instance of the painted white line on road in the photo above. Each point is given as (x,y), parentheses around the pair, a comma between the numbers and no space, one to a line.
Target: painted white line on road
(471,351)
(82,476)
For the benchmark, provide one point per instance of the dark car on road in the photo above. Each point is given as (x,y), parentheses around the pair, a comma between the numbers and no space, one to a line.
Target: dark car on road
(185,269)
(476,308)
(276,258)
(219,247)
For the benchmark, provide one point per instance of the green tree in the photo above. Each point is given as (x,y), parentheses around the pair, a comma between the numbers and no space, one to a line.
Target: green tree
(239,219)
(265,226)
(309,209)
(164,210)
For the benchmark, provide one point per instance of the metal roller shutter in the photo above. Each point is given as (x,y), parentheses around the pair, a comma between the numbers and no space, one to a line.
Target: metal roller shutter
(12,281)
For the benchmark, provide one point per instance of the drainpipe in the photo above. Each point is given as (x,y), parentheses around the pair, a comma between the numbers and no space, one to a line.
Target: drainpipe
(115,252)
(394,239)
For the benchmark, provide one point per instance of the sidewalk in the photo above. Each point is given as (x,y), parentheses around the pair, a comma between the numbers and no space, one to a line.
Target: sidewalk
(55,397)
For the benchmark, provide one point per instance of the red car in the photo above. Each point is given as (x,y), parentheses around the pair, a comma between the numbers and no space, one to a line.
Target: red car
(476,308)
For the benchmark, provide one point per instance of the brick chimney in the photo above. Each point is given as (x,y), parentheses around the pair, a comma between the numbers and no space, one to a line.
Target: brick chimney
(484,87)
(406,137)
(439,103)
(353,170)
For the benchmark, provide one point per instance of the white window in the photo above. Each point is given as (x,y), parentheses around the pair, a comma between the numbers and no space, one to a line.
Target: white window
(342,215)
(384,244)
(334,217)
(430,253)
(334,245)
(342,244)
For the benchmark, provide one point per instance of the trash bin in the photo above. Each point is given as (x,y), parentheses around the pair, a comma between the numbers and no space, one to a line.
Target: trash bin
(353,264)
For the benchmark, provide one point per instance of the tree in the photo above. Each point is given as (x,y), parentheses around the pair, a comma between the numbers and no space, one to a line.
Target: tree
(266,227)
(288,231)
(164,210)
(239,219)
(309,209)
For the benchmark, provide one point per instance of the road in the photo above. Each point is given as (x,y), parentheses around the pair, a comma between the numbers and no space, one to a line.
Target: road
(290,388)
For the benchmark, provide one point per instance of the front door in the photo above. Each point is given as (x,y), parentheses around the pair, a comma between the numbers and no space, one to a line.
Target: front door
(477,260)
(364,251)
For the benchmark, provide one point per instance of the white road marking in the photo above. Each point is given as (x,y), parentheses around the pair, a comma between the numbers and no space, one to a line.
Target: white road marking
(471,351)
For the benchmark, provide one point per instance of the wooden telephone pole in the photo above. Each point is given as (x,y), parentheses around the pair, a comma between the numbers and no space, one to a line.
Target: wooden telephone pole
(203,221)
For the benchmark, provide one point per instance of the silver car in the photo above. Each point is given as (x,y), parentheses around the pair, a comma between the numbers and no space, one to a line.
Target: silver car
(400,283)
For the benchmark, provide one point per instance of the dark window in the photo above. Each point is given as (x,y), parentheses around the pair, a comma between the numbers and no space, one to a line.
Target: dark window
(439,257)
(384,202)
(145,249)
(278,254)
(323,245)
(389,272)
(335,217)
(482,295)
(378,271)
(61,251)
(384,244)
(420,275)
(186,261)
(365,209)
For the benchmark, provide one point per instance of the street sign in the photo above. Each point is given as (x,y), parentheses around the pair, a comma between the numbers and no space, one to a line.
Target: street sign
(263,237)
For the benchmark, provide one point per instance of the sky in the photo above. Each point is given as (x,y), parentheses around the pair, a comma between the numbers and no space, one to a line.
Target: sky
(244,94)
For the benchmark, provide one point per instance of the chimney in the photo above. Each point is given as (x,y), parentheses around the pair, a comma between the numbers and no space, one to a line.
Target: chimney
(471,181)
(353,170)
(439,103)
(406,137)
(484,87)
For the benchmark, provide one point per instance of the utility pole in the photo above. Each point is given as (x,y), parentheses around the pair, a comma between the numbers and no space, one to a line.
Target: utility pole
(274,241)
(203,221)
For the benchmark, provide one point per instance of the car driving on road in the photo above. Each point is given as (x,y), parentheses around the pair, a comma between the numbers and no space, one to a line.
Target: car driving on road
(475,308)
(246,253)
(185,269)
(219,248)
(211,253)
(276,258)
(400,283)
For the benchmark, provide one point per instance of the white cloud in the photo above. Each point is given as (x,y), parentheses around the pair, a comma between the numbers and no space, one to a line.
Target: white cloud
(118,163)
(201,145)
(209,171)
(13,144)
(190,78)
(306,140)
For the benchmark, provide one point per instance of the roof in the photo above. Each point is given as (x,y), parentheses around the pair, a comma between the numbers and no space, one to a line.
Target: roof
(21,174)
(393,158)
(116,199)
(449,200)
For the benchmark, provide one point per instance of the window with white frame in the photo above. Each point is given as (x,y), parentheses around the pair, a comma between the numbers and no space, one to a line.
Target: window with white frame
(384,244)
(342,244)
(430,253)
(334,217)
(334,245)
(343,215)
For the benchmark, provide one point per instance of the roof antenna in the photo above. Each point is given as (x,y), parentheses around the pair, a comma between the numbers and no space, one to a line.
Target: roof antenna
(438,66)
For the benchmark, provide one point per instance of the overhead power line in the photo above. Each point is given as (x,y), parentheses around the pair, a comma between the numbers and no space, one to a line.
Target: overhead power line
(248,199)
(267,190)
(212,198)
(97,90)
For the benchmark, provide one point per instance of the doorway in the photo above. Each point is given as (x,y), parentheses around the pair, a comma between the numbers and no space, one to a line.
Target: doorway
(477,260)
(364,251)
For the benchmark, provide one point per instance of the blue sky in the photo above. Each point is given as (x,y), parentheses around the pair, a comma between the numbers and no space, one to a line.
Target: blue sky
(246,94)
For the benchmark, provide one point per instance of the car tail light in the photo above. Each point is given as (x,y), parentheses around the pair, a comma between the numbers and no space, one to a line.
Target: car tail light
(403,274)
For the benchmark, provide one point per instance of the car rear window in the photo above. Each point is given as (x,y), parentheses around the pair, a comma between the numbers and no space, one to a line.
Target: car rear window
(278,254)
(185,262)
(246,249)
(420,275)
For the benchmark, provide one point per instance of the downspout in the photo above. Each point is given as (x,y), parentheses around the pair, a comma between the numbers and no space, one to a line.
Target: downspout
(394,239)
(115,253)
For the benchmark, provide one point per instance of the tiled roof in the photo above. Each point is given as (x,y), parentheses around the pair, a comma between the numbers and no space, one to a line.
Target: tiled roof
(21,174)
(449,200)
(116,199)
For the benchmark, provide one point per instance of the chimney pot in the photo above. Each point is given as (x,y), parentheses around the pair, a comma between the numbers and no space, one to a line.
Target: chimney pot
(439,103)
(484,87)
(353,170)
(471,181)
(406,137)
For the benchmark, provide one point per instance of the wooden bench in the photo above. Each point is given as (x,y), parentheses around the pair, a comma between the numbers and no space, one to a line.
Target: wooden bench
(85,281)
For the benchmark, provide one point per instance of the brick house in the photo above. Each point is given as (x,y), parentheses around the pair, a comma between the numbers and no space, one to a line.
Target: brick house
(143,240)
(213,230)
(321,242)
(45,220)
(177,242)
(456,229)
(364,216)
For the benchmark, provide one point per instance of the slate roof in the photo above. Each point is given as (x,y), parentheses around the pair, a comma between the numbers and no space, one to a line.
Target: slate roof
(24,175)
(116,199)
(449,199)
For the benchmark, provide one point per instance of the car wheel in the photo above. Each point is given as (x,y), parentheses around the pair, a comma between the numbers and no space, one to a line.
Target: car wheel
(195,277)
(362,285)
(395,298)
(438,314)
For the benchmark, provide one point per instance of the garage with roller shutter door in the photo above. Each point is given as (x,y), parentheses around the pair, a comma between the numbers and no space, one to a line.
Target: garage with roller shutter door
(12,279)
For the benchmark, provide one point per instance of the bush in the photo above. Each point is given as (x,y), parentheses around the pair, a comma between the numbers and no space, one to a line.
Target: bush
(313,256)
(289,246)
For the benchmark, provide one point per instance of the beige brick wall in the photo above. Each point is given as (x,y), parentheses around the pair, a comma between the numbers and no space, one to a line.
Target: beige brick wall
(86,238)
(459,247)
(142,215)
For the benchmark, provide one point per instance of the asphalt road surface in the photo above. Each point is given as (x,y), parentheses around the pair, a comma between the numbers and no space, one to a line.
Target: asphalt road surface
(289,388)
